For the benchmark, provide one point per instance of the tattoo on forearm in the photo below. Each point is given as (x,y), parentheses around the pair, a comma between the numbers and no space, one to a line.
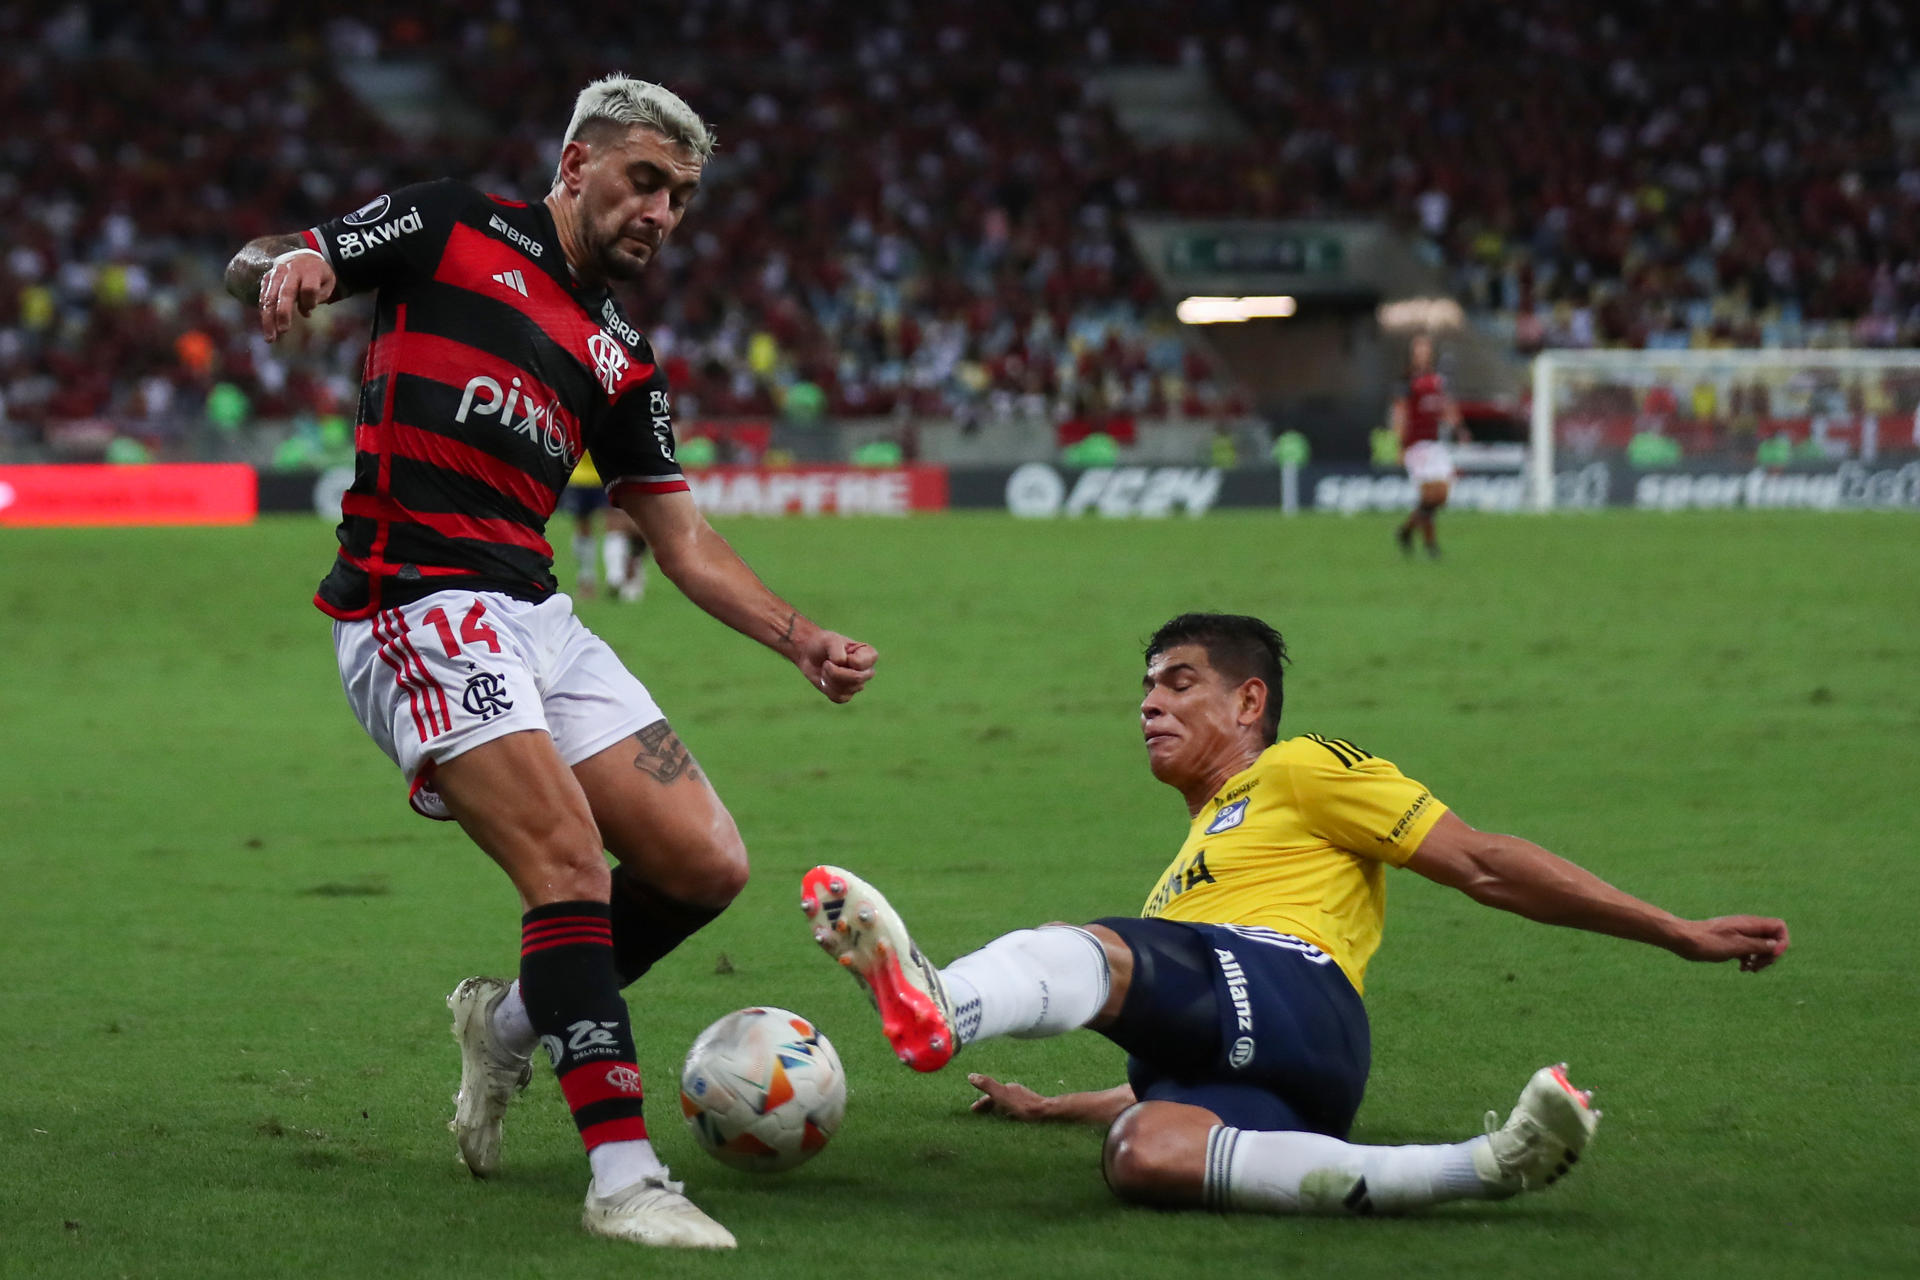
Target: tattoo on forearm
(663,756)
(792,618)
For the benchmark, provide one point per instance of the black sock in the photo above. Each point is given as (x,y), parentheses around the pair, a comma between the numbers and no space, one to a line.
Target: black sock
(566,979)
(647,924)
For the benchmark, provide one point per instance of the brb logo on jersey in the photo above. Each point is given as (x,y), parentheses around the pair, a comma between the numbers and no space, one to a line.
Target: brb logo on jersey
(616,323)
(609,360)
(515,236)
(545,425)
(352,244)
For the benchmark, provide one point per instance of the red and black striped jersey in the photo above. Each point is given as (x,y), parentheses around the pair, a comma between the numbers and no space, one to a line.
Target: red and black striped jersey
(492,369)
(1426,407)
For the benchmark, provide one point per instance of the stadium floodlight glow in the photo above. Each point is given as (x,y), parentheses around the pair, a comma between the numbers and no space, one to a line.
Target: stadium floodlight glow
(1207,310)
(1421,313)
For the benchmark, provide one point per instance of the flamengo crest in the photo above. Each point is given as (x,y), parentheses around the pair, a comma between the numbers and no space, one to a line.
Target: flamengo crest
(609,360)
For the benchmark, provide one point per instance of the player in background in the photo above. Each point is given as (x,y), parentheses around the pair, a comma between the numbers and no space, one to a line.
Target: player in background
(625,549)
(1237,991)
(499,359)
(1425,421)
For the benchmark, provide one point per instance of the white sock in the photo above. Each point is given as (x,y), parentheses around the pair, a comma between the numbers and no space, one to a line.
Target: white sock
(615,548)
(589,562)
(1271,1172)
(1031,983)
(635,587)
(511,1025)
(621,1164)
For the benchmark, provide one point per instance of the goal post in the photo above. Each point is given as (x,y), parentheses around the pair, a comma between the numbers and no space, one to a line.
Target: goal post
(1717,410)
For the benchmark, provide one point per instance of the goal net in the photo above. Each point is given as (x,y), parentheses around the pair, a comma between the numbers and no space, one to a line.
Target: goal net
(1816,428)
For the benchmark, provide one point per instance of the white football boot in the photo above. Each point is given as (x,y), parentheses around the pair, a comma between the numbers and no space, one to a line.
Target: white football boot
(490,1074)
(853,924)
(1543,1138)
(653,1211)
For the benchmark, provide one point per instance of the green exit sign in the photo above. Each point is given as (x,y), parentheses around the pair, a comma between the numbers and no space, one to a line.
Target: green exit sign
(1256,252)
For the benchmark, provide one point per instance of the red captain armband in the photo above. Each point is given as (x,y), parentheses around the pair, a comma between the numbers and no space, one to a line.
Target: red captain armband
(646,484)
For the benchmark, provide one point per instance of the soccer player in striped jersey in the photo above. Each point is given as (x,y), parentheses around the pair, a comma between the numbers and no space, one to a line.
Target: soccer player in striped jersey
(500,358)
(1237,990)
(1425,420)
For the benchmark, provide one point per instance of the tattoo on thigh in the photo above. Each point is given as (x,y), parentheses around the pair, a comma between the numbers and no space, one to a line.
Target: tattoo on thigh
(662,755)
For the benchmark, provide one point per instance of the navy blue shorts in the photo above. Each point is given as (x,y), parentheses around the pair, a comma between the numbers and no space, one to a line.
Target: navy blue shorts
(582,500)
(1258,1027)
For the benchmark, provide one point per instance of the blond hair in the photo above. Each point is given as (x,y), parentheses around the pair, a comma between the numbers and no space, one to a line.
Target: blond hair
(622,100)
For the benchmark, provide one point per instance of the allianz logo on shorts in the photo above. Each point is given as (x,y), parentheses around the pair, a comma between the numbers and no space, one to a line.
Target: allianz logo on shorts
(1242,1050)
(1236,988)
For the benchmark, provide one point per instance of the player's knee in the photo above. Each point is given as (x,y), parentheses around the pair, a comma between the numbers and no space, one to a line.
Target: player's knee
(1148,1160)
(580,880)
(568,864)
(727,873)
(711,874)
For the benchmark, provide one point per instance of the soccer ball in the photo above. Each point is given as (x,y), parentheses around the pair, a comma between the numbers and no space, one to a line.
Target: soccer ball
(762,1090)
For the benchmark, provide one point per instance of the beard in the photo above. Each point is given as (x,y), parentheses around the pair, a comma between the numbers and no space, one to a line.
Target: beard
(620,258)
(621,264)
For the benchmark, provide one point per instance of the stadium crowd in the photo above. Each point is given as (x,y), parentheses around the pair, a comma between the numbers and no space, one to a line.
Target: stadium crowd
(921,211)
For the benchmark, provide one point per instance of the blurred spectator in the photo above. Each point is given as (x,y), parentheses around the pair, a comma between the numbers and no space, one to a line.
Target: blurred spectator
(920,211)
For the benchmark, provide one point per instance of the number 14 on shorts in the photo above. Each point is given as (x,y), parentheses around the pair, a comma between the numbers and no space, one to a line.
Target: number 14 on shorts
(473,629)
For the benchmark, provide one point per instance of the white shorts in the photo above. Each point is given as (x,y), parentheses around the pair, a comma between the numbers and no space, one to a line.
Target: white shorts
(433,679)
(1428,462)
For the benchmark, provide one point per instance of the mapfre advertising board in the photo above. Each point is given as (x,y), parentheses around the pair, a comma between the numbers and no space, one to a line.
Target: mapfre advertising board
(187,493)
(819,491)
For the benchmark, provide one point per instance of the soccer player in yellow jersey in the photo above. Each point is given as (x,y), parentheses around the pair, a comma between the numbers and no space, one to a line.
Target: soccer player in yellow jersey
(1236,991)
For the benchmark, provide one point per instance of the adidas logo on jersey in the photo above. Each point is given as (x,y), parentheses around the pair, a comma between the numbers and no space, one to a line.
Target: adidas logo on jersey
(513,280)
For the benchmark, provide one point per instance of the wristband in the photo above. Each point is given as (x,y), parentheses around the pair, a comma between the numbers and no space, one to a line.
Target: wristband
(294,253)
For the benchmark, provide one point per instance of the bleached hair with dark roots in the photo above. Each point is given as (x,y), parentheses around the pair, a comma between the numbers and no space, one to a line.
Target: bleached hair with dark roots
(623,100)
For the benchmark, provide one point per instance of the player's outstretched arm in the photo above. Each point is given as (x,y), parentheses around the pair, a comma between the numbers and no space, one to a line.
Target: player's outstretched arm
(712,575)
(1519,876)
(1017,1102)
(281,275)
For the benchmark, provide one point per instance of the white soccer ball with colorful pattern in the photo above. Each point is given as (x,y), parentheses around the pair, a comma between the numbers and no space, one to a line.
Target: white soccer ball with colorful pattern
(762,1090)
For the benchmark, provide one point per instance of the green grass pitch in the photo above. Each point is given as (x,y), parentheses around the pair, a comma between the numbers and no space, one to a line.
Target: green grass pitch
(226,939)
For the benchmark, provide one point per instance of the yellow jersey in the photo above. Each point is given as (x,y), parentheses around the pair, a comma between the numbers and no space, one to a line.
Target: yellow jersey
(584,475)
(1296,842)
